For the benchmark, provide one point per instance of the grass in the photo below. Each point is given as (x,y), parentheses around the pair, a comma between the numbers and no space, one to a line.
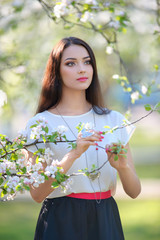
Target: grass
(140,219)
(18,220)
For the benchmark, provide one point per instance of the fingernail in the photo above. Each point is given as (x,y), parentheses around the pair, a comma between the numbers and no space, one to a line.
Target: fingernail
(96,148)
(102,137)
(100,140)
(96,144)
(100,132)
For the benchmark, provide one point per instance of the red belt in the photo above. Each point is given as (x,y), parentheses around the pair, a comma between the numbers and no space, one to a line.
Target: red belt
(97,195)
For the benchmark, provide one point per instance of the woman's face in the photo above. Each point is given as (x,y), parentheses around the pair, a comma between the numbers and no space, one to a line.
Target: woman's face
(75,68)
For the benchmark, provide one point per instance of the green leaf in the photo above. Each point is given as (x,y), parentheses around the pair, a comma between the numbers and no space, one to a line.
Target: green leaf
(107,127)
(156,67)
(18,187)
(148,107)
(80,126)
(27,187)
(4,192)
(72,145)
(20,146)
(8,172)
(44,139)
(24,169)
(115,157)
(55,184)
(46,129)
(129,89)
(125,150)
(14,156)
(34,125)
(37,159)
(157,107)
(1,181)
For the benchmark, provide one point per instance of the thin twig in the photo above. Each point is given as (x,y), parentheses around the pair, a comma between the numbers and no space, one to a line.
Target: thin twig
(135,120)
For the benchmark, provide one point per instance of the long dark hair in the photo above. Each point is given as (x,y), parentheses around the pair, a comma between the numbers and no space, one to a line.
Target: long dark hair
(51,92)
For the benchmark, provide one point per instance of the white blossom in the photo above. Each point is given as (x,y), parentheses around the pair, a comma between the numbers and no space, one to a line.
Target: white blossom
(52,169)
(29,165)
(93,2)
(61,129)
(38,166)
(22,133)
(89,126)
(114,24)
(109,50)
(67,2)
(47,157)
(135,96)
(3,98)
(66,185)
(11,197)
(12,183)
(20,69)
(43,122)
(27,181)
(21,162)
(60,10)
(3,167)
(144,89)
(115,76)
(87,16)
(120,13)
(17,3)
(36,132)
(7,165)
(3,143)
(36,179)
(41,159)
(107,4)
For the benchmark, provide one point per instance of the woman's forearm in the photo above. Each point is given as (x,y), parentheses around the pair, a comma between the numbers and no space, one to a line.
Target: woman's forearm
(130,181)
(44,189)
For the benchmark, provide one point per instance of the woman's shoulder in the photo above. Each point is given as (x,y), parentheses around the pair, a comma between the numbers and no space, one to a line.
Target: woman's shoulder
(116,116)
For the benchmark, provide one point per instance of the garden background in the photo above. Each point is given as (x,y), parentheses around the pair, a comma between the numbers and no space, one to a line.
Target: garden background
(27,36)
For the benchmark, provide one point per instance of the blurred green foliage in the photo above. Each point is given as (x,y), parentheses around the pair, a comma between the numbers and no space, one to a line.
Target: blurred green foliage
(148,171)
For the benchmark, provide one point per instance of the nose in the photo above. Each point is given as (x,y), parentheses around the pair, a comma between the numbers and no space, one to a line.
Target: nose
(81,68)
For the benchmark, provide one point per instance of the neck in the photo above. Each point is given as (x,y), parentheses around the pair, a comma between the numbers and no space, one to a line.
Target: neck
(74,104)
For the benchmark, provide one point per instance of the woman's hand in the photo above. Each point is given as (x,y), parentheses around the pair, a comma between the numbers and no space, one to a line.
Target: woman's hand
(117,155)
(125,169)
(83,143)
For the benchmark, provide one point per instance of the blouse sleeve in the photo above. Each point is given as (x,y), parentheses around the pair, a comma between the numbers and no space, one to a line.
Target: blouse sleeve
(126,129)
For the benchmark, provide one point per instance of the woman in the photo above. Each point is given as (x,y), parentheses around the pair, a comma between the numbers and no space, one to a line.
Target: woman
(70,95)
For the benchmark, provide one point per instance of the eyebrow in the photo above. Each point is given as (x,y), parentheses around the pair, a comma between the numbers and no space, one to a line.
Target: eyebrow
(75,58)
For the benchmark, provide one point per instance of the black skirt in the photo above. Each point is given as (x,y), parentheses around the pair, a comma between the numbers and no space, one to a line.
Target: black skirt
(67,218)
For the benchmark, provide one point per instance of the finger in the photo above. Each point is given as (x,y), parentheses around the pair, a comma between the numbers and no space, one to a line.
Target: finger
(93,138)
(90,143)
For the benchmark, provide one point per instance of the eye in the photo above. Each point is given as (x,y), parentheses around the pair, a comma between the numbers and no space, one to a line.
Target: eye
(70,64)
(88,62)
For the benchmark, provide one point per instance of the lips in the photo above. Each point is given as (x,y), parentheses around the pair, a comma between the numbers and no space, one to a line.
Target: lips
(82,79)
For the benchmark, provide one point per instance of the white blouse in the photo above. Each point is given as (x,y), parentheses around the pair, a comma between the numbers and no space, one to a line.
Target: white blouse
(81,183)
